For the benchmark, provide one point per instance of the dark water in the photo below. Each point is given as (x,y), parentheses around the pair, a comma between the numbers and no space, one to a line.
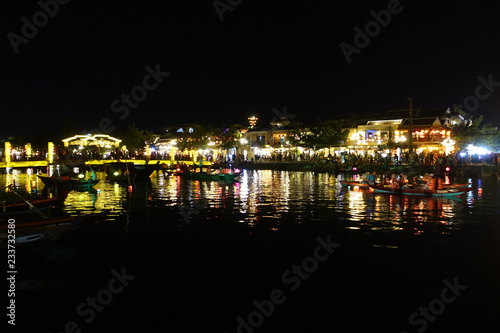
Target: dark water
(207,256)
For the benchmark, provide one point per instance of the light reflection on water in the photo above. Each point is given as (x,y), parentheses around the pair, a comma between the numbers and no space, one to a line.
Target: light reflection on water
(304,197)
(104,196)
(276,197)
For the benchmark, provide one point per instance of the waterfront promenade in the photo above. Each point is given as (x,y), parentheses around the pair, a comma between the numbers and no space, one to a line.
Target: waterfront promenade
(467,170)
(45,163)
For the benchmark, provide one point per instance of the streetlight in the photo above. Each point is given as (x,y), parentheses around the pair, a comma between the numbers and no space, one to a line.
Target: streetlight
(448,145)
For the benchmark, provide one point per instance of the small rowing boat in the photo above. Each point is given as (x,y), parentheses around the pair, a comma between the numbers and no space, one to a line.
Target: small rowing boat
(69,184)
(219,175)
(118,171)
(445,192)
(223,177)
(21,209)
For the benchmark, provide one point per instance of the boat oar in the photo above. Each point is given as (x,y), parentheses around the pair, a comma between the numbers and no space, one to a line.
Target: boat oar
(128,173)
(42,214)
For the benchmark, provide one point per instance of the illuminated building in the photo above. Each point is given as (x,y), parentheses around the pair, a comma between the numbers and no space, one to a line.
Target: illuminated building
(252,121)
(389,133)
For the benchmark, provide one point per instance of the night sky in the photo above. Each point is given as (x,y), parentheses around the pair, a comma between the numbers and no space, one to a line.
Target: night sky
(263,55)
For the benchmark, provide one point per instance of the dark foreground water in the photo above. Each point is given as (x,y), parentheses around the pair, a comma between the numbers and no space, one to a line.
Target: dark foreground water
(277,252)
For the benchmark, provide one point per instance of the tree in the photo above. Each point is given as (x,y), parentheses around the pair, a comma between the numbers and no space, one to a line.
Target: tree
(18,141)
(326,134)
(196,136)
(134,139)
(229,137)
(201,135)
(488,136)
(471,132)
(296,137)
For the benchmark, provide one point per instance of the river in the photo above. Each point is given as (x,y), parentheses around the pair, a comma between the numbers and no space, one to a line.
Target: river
(251,256)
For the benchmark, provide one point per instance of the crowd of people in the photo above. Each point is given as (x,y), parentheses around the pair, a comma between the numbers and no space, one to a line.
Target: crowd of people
(438,160)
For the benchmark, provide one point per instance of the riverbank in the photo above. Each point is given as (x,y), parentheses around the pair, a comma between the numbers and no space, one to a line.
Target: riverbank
(475,170)
(471,170)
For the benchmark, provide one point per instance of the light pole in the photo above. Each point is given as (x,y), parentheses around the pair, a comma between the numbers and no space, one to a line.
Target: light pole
(410,129)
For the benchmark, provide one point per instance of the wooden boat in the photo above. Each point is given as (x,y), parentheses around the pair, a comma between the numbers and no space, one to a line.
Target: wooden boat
(38,223)
(210,176)
(71,220)
(35,233)
(28,239)
(119,177)
(69,184)
(445,192)
(354,183)
(118,171)
(20,209)
(224,177)
(459,186)
(143,172)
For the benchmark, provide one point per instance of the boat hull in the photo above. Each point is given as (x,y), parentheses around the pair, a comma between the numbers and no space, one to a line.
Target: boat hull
(344,183)
(137,172)
(448,192)
(225,177)
(69,184)
(21,209)
(466,186)
(222,177)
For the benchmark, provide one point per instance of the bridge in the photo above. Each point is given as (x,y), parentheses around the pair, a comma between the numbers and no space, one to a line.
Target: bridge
(10,160)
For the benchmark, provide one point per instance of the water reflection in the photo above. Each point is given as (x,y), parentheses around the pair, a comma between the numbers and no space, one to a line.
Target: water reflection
(302,197)
(273,197)
(105,196)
